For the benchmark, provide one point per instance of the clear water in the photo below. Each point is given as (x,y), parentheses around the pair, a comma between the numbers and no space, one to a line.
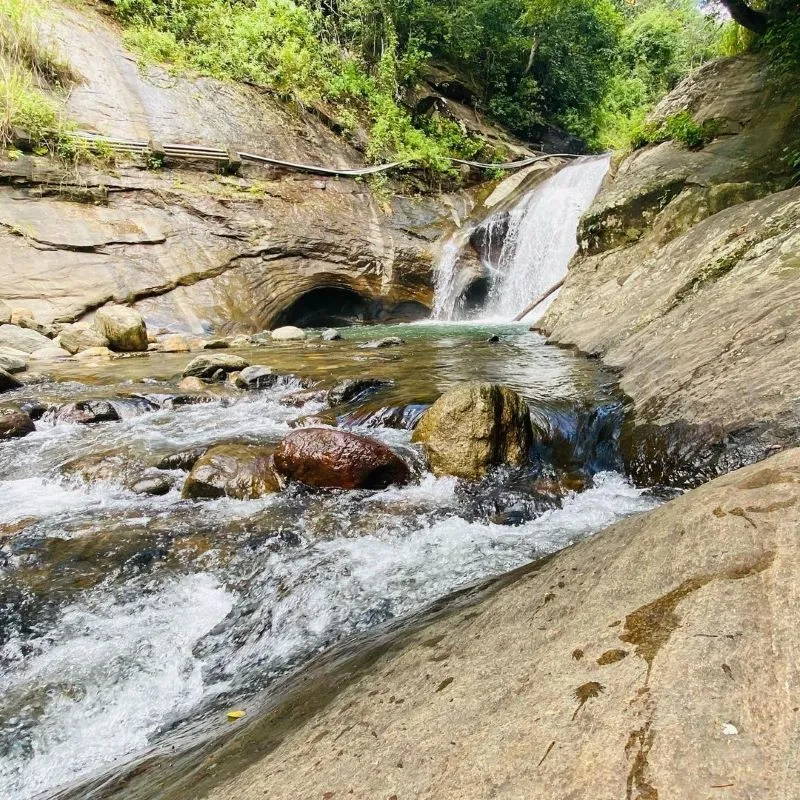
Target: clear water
(123,616)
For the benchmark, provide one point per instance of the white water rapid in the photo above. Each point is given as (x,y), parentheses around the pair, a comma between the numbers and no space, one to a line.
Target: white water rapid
(540,239)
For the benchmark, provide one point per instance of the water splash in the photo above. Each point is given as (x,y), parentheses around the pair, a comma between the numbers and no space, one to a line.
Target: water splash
(540,239)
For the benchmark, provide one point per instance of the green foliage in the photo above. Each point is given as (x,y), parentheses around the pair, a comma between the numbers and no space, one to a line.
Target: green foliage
(681,128)
(28,67)
(782,40)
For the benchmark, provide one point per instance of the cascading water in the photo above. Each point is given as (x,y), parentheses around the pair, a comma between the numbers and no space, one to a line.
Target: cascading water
(540,239)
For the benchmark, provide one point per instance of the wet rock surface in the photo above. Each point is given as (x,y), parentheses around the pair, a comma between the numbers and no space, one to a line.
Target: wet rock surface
(8,382)
(256,377)
(85,412)
(239,471)
(14,424)
(354,389)
(473,428)
(333,459)
(684,678)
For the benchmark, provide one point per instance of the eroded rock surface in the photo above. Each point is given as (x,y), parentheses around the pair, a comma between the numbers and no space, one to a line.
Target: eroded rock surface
(658,659)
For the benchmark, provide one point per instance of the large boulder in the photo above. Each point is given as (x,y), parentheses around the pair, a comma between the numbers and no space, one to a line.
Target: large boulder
(23,339)
(8,382)
(14,424)
(475,427)
(213,365)
(75,339)
(123,327)
(241,471)
(333,459)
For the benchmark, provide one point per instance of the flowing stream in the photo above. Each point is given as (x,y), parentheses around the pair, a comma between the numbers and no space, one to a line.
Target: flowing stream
(525,250)
(125,617)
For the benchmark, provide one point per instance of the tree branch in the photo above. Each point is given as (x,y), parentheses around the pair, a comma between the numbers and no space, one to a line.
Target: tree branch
(747,17)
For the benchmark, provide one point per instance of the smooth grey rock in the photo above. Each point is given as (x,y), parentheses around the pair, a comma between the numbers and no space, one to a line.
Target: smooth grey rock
(22,339)
(331,335)
(287,333)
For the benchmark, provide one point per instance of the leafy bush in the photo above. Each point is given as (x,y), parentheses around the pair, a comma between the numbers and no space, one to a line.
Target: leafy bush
(681,128)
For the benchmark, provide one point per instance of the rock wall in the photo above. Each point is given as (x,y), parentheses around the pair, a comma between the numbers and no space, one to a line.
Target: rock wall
(688,281)
(195,250)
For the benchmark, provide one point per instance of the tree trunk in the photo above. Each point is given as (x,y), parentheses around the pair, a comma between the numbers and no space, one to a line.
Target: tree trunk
(747,17)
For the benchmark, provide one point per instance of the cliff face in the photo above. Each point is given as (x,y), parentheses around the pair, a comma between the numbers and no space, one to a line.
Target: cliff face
(193,249)
(688,281)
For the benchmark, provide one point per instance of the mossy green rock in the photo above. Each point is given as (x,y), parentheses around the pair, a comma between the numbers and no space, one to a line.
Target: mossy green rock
(475,427)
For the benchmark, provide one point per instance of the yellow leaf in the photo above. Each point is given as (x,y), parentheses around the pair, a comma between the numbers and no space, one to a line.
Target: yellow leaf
(237,714)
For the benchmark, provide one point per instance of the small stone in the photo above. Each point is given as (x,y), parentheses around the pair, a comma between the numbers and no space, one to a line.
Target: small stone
(216,344)
(22,339)
(240,471)
(331,335)
(5,313)
(93,352)
(241,340)
(178,343)
(287,333)
(192,384)
(14,424)
(388,341)
(87,412)
(8,382)
(49,331)
(256,377)
(21,313)
(152,484)
(183,460)
(493,339)
(729,730)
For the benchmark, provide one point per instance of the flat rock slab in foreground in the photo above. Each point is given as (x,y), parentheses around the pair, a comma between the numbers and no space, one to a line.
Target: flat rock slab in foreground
(659,659)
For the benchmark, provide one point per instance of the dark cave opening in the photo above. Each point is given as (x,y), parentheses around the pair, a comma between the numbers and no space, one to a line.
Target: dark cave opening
(336,307)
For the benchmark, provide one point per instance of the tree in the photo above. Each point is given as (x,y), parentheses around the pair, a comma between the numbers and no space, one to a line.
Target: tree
(747,16)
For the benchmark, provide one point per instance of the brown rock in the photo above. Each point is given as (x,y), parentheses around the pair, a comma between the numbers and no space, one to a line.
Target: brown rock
(333,459)
(241,471)
(14,424)
(475,427)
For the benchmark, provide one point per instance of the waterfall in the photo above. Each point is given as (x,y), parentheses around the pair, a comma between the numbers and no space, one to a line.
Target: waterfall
(540,240)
